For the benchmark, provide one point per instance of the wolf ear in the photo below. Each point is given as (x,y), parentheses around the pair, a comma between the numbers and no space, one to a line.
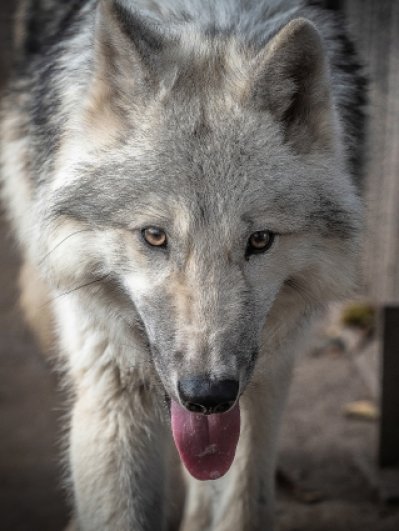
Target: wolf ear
(128,50)
(291,81)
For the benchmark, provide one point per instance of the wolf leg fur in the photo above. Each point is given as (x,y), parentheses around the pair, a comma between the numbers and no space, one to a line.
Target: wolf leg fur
(117,460)
(119,444)
(117,466)
(34,302)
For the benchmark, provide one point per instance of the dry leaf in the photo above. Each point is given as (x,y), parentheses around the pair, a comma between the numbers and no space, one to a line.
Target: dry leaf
(362,410)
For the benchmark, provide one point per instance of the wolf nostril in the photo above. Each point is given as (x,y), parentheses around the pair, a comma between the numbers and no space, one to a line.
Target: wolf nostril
(222,408)
(195,408)
(203,395)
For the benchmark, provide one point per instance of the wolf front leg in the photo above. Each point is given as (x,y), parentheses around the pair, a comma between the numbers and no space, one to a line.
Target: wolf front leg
(120,449)
(118,456)
(243,500)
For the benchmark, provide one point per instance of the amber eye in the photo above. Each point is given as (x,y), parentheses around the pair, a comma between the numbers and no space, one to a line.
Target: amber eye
(154,236)
(260,242)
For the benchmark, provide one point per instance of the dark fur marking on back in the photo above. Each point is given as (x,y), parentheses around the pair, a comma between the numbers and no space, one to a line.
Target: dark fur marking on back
(47,27)
(353,112)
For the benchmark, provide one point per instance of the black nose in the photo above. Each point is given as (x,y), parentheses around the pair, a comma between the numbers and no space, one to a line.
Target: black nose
(202,395)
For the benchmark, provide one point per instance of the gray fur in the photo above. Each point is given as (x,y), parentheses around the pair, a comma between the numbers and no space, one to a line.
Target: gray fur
(211,120)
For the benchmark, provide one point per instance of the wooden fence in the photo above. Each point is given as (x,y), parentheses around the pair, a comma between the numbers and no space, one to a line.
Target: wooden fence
(376,27)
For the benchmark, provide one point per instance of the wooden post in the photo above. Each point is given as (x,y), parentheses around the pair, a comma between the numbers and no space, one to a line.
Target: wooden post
(389,426)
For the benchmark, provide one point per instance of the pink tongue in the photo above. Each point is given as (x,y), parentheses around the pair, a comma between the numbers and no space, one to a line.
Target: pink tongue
(206,443)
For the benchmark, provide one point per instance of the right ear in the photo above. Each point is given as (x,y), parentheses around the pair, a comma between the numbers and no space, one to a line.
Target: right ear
(128,67)
(128,50)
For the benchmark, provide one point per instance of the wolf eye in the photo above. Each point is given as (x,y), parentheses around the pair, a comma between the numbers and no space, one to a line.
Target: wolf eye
(260,242)
(154,236)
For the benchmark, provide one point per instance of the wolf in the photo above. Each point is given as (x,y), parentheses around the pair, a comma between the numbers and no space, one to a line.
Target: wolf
(183,179)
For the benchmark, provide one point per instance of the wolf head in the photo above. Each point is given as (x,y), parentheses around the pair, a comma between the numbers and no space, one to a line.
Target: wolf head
(205,177)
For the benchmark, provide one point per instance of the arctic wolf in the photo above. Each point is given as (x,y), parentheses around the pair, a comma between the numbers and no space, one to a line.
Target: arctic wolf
(182,178)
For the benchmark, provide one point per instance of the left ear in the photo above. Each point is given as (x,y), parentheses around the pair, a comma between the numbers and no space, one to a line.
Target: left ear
(291,81)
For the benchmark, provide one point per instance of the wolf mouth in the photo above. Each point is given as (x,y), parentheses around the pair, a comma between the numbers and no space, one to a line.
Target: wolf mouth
(206,443)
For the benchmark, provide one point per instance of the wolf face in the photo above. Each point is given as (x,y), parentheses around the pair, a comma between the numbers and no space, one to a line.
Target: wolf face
(212,191)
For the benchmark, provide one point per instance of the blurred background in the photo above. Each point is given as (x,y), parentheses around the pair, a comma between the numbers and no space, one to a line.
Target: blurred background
(339,464)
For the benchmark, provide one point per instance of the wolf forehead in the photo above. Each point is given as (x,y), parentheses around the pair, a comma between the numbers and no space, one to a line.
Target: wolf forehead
(230,177)
(233,164)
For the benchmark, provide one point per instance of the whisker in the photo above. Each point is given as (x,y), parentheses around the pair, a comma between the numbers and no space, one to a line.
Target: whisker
(62,242)
(73,290)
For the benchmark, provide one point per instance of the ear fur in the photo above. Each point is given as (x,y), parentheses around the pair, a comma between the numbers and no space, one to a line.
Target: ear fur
(128,66)
(128,50)
(292,83)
